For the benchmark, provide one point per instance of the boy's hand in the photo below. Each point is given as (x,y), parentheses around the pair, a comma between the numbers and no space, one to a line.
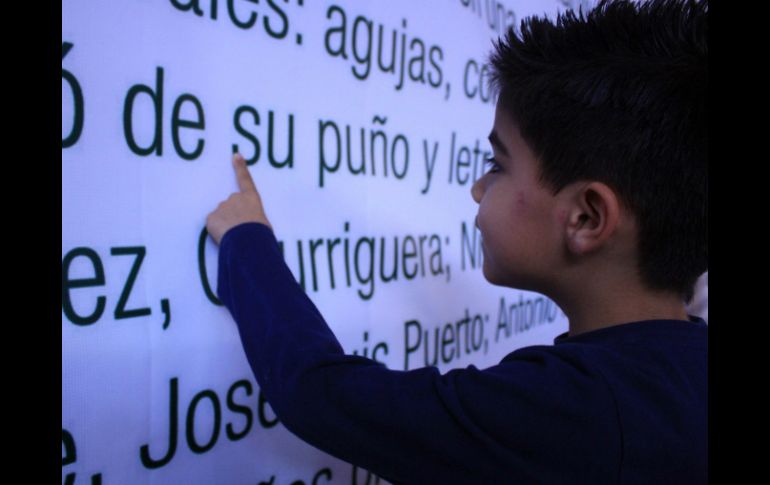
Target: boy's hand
(240,207)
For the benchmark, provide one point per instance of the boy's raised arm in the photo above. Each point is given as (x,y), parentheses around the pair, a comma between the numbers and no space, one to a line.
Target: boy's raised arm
(418,426)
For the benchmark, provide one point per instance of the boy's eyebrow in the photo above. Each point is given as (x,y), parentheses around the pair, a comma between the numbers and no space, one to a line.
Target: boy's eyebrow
(495,140)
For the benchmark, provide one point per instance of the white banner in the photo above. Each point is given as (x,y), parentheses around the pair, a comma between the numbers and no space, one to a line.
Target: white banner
(365,125)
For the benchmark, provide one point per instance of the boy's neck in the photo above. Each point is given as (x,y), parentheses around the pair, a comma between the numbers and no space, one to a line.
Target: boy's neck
(618,307)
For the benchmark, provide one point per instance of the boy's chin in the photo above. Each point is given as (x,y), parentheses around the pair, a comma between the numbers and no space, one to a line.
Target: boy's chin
(490,275)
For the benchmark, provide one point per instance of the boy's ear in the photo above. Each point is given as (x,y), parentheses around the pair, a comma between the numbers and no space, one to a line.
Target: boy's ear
(592,219)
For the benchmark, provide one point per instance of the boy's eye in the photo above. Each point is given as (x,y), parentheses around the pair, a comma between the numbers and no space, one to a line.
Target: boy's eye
(491,165)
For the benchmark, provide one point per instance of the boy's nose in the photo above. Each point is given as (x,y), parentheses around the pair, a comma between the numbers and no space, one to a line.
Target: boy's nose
(477,191)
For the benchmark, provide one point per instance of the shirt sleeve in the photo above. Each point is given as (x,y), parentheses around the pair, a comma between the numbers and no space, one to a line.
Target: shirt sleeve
(417,426)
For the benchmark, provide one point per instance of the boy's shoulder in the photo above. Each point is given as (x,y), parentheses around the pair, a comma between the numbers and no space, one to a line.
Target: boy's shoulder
(620,354)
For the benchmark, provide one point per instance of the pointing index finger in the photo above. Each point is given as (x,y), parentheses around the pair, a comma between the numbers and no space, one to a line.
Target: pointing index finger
(245,182)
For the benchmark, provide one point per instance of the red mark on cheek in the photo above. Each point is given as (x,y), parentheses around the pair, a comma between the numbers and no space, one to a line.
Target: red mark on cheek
(562,216)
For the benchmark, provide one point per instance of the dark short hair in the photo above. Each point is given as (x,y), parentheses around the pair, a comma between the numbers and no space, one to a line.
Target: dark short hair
(619,97)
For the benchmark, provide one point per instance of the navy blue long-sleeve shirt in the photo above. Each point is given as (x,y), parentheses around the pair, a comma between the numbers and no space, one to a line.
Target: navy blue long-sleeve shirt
(623,404)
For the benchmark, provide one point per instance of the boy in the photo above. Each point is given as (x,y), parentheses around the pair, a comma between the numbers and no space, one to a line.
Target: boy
(597,198)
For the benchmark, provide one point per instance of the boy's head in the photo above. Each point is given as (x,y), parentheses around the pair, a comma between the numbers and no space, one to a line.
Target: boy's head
(616,100)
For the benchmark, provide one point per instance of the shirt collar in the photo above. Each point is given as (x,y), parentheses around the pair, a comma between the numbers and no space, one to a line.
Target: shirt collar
(633,330)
